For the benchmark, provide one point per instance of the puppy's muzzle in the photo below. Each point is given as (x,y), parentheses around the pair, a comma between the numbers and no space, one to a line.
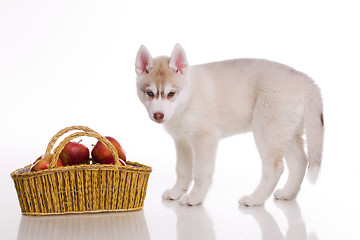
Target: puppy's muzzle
(159,117)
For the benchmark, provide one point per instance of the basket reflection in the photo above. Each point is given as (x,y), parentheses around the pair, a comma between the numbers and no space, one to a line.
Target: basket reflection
(124,225)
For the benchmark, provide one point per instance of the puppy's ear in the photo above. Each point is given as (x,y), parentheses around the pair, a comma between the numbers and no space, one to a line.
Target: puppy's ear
(178,61)
(143,61)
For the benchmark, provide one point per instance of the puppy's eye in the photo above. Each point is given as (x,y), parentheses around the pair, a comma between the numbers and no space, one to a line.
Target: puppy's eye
(150,94)
(171,94)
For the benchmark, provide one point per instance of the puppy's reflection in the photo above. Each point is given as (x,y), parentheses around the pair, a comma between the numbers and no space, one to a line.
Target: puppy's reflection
(124,225)
(192,222)
(269,227)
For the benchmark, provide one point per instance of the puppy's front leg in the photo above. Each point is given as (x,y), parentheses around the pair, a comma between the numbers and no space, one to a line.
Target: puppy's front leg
(183,170)
(204,146)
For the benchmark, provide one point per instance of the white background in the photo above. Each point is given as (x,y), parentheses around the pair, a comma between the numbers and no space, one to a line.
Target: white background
(68,62)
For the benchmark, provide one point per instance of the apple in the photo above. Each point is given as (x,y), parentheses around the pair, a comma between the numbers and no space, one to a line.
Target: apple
(74,153)
(44,161)
(102,153)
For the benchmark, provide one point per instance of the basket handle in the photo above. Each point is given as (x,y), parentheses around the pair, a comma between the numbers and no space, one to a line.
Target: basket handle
(62,132)
(94,134)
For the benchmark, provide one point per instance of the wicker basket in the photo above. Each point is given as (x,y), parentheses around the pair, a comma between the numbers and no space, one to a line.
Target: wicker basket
(85,188)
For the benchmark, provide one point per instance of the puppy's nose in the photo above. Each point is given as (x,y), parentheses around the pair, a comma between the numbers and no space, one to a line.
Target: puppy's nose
(158,116)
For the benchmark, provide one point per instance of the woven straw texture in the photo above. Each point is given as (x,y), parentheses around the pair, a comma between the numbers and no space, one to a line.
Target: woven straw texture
(86,188)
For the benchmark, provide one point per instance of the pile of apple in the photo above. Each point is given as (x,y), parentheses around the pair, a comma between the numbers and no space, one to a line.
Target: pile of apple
(75,153)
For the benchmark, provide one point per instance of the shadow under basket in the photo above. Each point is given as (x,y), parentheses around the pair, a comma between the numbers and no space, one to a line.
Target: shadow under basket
(86,188)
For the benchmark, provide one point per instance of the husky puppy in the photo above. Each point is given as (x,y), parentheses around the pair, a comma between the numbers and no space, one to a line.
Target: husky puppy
(199,105)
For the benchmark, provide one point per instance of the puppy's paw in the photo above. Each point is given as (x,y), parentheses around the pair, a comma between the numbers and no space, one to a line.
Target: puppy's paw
(191,200)
(250,201)
(283,194)
(173,194)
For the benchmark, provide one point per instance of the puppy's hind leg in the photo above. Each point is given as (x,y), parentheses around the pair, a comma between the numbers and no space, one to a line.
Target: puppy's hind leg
(296,161)
(272,168)
(270,137)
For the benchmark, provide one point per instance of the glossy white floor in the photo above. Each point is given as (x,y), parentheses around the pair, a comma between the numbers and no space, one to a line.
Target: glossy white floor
(70,62)
(328,210)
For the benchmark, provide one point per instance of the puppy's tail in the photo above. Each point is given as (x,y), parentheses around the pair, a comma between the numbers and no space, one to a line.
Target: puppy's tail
(314,129)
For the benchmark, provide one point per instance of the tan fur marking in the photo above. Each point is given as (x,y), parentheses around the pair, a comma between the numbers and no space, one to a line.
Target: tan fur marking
(161,74)
(300,140)
(277,163)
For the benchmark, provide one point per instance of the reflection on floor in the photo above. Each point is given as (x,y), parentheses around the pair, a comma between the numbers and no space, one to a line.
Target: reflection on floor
(125,225)
(269,227)
(195,222)
(192,222)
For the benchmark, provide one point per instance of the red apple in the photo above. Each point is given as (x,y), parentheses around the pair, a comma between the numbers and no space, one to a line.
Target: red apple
(102,153)
(74,153)
(44,161)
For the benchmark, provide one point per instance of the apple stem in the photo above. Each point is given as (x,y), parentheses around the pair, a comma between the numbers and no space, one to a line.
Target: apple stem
(80,141)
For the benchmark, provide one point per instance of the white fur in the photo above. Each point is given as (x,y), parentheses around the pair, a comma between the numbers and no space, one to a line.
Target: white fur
(220,99)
